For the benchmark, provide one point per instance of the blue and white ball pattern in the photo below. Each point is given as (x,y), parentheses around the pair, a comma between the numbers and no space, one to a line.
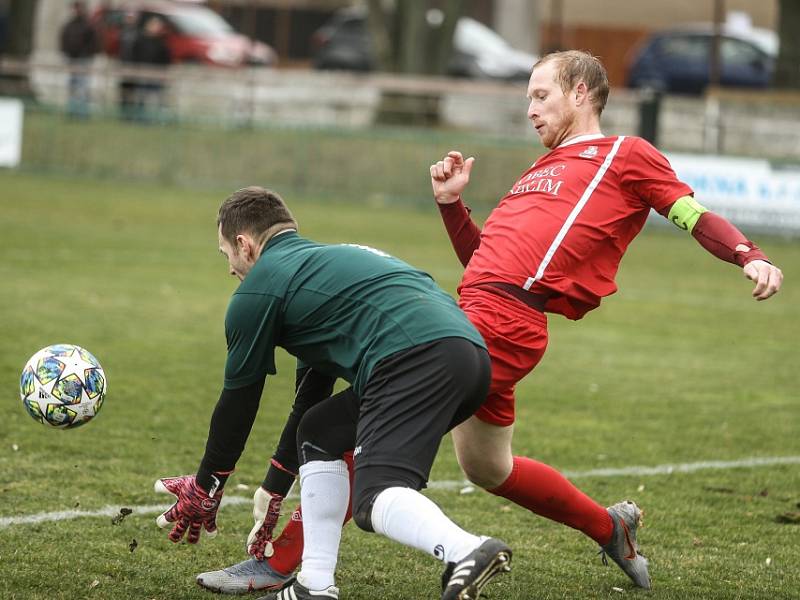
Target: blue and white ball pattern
(63,386)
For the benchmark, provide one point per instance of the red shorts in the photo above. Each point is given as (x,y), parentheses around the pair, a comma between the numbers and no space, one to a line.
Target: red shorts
(516,336)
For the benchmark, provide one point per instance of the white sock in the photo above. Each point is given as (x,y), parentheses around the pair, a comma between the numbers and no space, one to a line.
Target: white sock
(324,492)
(408,517)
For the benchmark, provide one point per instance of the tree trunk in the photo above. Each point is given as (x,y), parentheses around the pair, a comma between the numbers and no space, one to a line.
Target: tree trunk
(413,36)
(19,43)
(404,42)
(787,69)
(380,33)
(443,49)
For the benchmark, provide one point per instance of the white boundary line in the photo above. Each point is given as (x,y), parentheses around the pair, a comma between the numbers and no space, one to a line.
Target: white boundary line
(106,511)
(640,471)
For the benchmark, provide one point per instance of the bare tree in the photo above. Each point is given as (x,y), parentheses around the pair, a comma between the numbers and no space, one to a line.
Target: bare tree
(787,71)
(18,45)
(412,37)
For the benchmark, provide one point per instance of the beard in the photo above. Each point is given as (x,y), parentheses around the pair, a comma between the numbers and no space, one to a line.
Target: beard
(557,129)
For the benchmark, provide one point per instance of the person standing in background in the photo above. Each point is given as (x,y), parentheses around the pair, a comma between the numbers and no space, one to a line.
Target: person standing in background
(150,49)
(79,43)
(128,84)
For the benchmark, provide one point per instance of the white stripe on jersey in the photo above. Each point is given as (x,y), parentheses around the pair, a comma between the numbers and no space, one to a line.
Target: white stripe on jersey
(574,214)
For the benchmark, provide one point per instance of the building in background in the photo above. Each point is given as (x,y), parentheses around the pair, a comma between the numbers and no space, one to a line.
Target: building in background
(610,30)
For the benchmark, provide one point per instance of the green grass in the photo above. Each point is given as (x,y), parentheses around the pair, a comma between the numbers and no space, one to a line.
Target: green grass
(680,366)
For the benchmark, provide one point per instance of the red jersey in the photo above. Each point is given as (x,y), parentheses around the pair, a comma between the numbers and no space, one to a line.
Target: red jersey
(563,227)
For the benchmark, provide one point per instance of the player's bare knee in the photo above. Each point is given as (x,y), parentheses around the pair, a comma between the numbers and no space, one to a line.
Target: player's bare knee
(485,474)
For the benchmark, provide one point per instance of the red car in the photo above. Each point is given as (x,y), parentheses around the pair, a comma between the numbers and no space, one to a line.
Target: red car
(195,33)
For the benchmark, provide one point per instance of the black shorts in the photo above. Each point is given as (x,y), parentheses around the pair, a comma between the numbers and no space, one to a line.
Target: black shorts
(414,397)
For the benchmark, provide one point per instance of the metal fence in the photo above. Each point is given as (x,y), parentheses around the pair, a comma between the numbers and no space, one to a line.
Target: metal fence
(316,133)
(758,124)
(379,164)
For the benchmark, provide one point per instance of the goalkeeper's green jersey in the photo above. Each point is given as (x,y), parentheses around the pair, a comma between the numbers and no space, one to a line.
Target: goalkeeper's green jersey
(339,309)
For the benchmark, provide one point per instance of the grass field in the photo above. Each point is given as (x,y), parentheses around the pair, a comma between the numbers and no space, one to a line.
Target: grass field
(680,366)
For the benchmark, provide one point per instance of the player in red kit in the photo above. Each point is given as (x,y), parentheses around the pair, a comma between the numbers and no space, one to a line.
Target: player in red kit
(553,245)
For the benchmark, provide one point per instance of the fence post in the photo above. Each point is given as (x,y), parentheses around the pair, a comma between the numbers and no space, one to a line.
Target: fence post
(649,108)
(712,125)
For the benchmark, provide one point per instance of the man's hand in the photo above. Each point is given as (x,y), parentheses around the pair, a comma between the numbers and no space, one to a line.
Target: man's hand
(194,508)
(450,176)
(266,510)
(768,278)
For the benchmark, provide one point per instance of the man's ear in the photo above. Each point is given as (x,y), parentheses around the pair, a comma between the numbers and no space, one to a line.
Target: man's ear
(581,93)
(243,245)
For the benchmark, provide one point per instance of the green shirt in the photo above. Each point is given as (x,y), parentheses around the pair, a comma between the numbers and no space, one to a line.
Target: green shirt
(339,309)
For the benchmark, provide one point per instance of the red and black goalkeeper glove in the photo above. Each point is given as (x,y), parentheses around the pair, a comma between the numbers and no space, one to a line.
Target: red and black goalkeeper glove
(194,508)
(266,511)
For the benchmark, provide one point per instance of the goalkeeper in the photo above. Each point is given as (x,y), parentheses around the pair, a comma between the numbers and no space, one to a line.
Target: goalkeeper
(417,368)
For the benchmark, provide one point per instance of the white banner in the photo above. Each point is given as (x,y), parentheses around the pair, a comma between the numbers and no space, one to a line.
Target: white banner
(10,132)
(751,193)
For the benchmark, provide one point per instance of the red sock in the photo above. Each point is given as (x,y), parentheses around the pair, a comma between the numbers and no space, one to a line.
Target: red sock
(546,492)
(288,546)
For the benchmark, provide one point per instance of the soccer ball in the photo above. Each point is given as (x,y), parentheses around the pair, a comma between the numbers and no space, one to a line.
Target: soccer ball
(63,386)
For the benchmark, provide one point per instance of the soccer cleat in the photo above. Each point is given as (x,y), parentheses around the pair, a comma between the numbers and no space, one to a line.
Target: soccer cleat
(465,580)
(446,574)
(247,576)
(622,548)
(293,590)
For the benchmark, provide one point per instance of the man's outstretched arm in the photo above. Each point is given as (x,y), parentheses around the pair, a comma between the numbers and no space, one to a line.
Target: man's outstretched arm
(198,496)
(722,239)
(449,177)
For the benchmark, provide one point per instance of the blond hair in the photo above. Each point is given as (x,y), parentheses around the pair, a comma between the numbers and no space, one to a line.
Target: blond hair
(574,66)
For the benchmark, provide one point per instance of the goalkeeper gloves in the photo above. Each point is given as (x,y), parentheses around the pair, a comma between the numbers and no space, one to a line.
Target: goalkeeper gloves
(266,511)
(195,508)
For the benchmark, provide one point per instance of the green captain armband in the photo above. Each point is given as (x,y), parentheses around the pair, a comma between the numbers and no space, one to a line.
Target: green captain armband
(685,213)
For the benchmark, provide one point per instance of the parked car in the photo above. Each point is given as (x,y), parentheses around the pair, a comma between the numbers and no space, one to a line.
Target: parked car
(344,43)
(679,60)
(195,33)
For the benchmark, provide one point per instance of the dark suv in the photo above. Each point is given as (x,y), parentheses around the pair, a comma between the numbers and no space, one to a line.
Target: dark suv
(679,61)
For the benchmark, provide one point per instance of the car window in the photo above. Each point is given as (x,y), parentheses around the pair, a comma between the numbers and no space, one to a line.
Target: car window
(200,23)
(146,15)
(739,52)
(353,27)
(686,47)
